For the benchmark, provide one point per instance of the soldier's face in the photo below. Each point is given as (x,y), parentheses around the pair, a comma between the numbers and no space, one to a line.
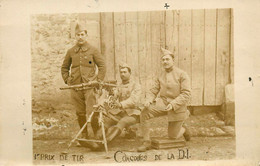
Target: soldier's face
(124,74)
(81,37)
(167,61)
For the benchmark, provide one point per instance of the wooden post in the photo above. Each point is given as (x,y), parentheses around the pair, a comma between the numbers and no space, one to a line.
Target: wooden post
(107,43)
(172,33)
(210,57)
(197,68)
(120,40)
(143,45)
(185,41)
(132,43)
(232,47)
(223,51)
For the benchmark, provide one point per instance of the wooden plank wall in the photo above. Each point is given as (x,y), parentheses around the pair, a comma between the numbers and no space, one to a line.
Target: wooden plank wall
(200,40)
(210,57)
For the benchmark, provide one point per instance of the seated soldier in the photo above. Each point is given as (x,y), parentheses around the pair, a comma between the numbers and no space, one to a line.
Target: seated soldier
(126,112)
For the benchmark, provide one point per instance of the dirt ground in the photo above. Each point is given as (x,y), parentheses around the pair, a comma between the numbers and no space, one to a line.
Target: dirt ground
(52,132)
(121,150)
(64,125)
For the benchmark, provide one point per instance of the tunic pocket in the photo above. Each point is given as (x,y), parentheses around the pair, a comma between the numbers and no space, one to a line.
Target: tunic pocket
(88,61)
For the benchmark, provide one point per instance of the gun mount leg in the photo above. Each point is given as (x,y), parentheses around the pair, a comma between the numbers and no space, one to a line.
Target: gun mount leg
(80,131)
(103,131)
(104,138)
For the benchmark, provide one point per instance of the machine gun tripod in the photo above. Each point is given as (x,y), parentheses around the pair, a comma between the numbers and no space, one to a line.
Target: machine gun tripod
(99,108)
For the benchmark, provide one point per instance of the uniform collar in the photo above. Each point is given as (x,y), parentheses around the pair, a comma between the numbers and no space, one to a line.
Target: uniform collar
(126,82)
(83,47)
(169,70)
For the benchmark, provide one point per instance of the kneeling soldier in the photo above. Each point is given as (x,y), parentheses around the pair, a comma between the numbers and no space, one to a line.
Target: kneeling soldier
(173,87)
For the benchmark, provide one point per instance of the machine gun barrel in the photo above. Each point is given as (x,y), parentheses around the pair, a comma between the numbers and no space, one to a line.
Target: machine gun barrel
(92,84)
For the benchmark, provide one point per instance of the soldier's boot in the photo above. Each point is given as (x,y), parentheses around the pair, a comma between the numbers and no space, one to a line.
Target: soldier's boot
(99,134)
(94,123)
(130,133)
(97,146)
(186,134)
(91,145)
(146,146)
(82,120)
(112,133)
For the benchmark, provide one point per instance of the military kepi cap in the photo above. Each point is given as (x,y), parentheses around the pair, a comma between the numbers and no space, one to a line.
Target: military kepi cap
(80,27)
(124,65)
(167,52)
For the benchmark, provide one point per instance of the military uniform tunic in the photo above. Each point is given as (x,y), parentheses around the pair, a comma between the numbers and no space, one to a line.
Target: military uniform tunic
(173,88)
(129,95)
(80,63)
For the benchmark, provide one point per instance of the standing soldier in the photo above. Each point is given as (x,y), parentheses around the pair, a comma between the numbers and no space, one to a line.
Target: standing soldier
(173,87)
(80,66)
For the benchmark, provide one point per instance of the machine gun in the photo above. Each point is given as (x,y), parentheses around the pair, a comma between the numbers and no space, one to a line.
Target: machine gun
(93,84)
(105,100)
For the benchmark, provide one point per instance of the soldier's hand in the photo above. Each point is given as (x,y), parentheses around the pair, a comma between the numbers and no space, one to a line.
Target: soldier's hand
(68,81)
(115,92)
(118,104)
(147,104)
(91,82)
(169,107)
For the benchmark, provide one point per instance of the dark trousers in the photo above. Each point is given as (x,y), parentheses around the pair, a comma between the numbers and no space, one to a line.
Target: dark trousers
(124,120)
(83,102)
(175,129)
